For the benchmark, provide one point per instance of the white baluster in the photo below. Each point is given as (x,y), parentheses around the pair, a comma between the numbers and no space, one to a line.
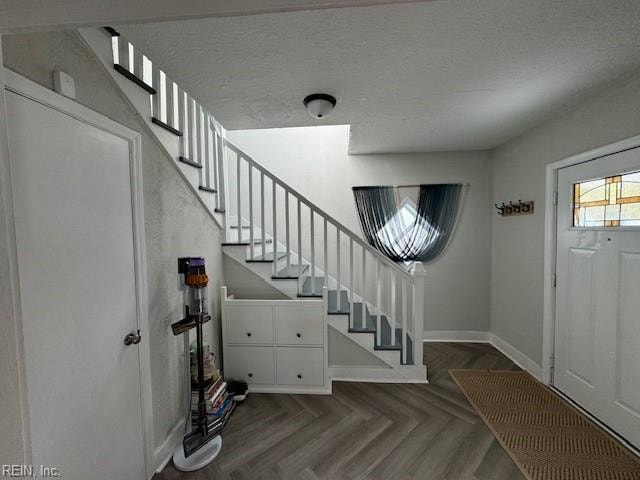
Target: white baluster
(326,255)
(262,225)
(198,114)
(251,239)
(181,123)
(157,98)
(275,228)
(299,239)
(378,305)
(138,64)
(392,313)
(215,157)
(207,152)
(364,284)
(404,320)
(169,102)
(338,291)
(189,118)
(239,197)
(313,251)
(286,231)
(123,53)
(222,177)
(352,297)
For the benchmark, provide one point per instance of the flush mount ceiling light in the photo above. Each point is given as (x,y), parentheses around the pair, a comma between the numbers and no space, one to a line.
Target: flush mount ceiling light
(319,104)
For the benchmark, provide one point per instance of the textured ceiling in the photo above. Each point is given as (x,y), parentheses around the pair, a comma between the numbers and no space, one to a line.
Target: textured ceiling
(441,75)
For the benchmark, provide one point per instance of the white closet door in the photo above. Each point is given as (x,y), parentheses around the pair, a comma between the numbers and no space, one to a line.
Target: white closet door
(74,226)
(597,339)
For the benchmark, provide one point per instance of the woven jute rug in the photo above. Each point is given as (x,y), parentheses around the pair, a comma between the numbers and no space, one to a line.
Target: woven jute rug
(545,436)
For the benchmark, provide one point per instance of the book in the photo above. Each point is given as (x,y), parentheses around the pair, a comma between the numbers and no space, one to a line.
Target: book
(211,394)
(214,402)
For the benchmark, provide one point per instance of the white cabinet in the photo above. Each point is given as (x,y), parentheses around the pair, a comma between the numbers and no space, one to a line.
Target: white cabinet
(276,346)
(299,325)
(251,324)
(256,365)
(299,366)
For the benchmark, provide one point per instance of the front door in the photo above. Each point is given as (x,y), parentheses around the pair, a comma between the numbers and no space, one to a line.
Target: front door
(75,244)
(597,337)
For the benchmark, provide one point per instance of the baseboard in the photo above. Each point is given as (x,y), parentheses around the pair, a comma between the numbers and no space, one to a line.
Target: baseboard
(456,336)
(292,390)
(516,356)
(377,375)
(163,454)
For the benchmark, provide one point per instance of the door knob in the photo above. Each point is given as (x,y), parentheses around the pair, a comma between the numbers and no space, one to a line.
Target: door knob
(132,338)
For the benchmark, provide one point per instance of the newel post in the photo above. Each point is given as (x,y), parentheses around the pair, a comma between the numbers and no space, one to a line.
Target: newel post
(418,273)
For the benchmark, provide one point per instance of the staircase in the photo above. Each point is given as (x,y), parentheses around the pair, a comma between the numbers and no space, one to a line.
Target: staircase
(271,229)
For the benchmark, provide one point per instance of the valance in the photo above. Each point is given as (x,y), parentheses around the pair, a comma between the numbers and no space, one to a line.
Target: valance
(406,231)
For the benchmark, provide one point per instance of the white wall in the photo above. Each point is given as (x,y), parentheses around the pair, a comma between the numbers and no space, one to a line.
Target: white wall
(519,173)
(314,161)
(176,224)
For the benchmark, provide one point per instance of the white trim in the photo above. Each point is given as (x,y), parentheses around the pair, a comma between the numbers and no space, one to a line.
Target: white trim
(29,89)
(291,390)
(471,336)
(416,374)
(12,311)
(548,322)
(515,355)
(164,452)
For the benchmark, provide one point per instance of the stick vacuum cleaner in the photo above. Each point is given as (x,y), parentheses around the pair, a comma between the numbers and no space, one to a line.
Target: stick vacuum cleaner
(201,445)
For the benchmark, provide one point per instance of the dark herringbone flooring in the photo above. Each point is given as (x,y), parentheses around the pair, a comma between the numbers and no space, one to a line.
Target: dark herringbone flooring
(367,430)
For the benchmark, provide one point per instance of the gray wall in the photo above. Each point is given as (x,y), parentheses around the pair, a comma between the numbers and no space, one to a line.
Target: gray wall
(314,161)
(519,173)
(243,283)
(176,224)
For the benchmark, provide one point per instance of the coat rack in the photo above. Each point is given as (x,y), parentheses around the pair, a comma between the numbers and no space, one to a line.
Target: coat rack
(520,208)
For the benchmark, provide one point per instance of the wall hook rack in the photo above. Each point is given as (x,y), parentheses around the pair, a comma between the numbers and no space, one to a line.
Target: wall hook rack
(520,208)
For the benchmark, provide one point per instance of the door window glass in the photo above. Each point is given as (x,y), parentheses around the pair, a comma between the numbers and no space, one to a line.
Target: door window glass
(607,202)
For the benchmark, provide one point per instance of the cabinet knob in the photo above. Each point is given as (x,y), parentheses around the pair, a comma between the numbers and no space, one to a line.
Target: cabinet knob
(248,334)
(299,335)
(299,376)
(250,375)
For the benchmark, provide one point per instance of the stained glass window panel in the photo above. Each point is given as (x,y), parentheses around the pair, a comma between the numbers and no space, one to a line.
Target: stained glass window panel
(607,202)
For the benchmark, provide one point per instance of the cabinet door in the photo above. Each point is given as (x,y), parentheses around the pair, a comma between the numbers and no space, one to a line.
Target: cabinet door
(299,325)
(249,324)
(255,365)
(300,366)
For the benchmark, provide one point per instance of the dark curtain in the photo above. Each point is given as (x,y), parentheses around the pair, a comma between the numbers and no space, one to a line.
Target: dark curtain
(403,237)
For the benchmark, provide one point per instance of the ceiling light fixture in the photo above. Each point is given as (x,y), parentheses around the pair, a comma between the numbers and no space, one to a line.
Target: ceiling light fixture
(319,104)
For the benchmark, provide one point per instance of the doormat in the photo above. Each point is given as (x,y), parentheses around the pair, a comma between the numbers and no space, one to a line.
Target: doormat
(545,436)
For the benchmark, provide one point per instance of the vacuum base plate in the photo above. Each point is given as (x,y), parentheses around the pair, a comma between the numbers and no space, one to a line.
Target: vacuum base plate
(199,459)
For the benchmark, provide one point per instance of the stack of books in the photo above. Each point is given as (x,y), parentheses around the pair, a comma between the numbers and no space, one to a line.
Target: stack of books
(219,403)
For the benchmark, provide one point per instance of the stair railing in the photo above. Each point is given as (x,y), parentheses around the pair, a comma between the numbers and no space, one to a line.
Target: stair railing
(394,292)
(201,136)
(397,293)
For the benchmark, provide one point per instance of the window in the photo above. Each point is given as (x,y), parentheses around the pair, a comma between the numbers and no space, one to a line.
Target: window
(398,232)
(607,202)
